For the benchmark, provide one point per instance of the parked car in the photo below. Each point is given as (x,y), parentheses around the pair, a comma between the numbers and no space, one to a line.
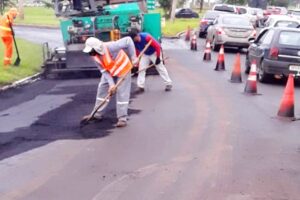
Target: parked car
(230,30)
(281,21)
(186,13)
(255,15)
(277,52)
(207,20)
(225,8)
(272,10)
(294,14)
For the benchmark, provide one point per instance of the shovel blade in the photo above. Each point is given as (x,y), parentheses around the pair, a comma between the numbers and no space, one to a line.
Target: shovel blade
(17,62)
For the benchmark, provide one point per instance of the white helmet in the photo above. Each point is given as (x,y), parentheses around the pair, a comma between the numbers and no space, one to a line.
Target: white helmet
(93,43)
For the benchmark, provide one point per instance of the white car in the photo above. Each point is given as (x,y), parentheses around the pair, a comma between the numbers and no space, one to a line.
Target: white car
(294,13)
(230,30)
(282,21)
(255,15)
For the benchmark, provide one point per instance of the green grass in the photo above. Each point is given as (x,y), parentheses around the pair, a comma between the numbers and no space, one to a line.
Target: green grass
(172,28)
(38,16)
(31,60)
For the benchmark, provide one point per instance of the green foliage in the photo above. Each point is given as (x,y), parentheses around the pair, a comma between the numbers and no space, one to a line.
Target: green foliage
(166,6)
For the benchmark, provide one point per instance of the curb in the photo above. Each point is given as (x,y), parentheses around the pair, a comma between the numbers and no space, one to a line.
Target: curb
(21,82)
(36,26)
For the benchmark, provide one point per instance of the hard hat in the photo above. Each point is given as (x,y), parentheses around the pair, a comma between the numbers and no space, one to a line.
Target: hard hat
(13,11)
(94,43)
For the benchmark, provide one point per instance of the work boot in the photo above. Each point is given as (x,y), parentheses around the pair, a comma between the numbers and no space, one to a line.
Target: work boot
(122,122)
(140,90)
(168,88)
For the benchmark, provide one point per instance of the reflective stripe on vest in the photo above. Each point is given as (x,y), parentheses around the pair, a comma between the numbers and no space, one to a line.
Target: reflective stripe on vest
(118,67)
(123,64)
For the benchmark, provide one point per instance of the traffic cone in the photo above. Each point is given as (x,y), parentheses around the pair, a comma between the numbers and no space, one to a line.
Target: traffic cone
(236,76)
(207,52)
(287,102)
(221,60)
(194,43)
(251,86)
(188,34)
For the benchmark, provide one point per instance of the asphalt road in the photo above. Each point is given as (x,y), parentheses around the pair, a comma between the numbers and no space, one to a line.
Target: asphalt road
(203,140)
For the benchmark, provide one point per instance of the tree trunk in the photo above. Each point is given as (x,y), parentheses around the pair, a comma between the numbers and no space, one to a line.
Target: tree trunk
(21,9)
(201,5)
(174,3)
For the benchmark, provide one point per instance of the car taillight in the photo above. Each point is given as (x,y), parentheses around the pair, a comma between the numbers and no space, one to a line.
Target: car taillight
(220,31)
(253,34)
(204,22)
(274,53)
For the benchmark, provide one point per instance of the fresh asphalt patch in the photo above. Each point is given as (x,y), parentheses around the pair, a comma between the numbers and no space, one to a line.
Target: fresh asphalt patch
(59,123)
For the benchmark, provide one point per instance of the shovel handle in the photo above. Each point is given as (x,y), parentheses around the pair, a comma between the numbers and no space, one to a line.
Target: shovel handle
(109,95)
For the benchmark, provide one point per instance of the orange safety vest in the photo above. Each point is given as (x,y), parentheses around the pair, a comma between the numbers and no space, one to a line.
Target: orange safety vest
(5,29)
(118,67)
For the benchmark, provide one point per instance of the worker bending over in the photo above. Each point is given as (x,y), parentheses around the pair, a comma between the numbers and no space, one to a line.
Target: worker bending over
(153,53)
(113,63)
(6,34)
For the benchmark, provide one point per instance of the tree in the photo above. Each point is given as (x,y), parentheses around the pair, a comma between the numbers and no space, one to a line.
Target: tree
(166,6)
(174,3)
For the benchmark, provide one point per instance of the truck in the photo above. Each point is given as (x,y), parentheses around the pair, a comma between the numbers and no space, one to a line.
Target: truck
(106,20)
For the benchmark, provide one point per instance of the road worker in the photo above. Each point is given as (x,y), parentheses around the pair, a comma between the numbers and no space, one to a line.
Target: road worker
(113,60)
(6,34)
(153,53)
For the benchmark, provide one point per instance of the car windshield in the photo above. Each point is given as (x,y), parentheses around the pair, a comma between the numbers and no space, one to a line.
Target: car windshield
(289,24)
(236,21)
(289,38)
(224,8)
(211,15)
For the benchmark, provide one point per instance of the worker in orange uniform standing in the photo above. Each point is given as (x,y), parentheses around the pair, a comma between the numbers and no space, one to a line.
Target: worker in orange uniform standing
(6,34)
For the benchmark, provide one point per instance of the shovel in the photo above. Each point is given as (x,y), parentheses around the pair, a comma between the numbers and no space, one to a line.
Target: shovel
(106,99)
(18,59)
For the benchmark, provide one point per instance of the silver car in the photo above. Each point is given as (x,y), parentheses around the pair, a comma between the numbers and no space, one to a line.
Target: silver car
(230,30)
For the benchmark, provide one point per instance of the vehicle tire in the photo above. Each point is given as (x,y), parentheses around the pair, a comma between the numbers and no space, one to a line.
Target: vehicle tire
(262,76)
(248,65)
(214,46)
(201,35)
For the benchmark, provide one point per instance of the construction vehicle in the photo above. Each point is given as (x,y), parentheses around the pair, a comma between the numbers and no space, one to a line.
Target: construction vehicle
(105,19)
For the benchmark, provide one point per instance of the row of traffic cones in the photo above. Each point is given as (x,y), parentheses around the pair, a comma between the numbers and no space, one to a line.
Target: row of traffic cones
(286,109)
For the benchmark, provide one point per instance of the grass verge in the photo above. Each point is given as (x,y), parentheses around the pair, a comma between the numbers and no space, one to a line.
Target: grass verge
(38,16)
(172,28)
(31,60)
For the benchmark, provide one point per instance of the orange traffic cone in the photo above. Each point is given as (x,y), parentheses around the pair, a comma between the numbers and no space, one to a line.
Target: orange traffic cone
(207,52)
(221,60)
(251,85)
(287,103)
(194,43)
(188,34)
(236,76)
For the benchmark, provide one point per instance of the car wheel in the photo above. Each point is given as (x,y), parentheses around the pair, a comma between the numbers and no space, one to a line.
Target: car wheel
(201,34)
(248,65)
(214,46)
(263,77)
